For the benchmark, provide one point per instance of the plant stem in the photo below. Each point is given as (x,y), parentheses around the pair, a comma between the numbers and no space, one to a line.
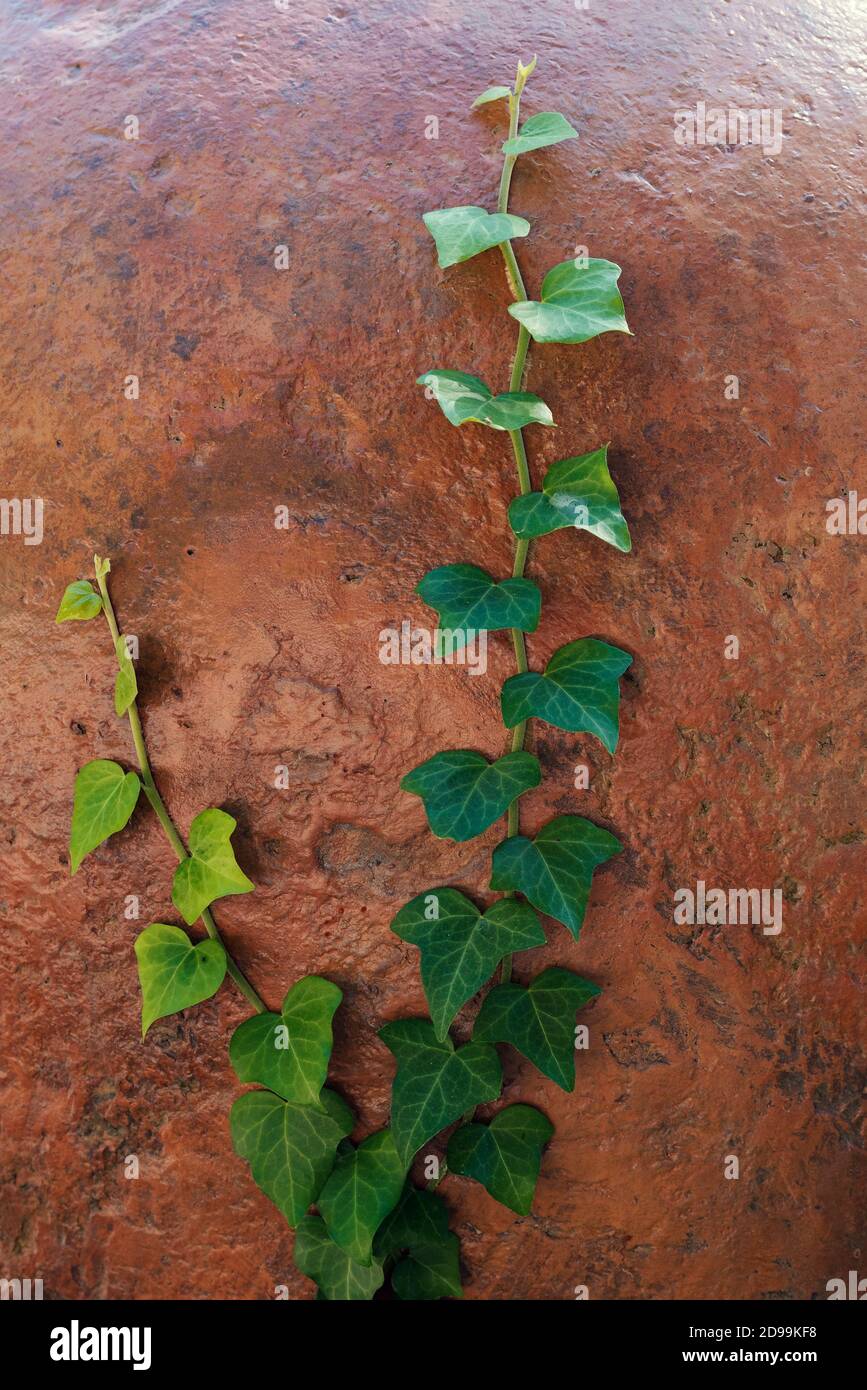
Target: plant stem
(159,806)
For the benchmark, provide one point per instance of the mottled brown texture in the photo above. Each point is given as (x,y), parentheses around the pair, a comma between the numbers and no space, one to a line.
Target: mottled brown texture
(259,646)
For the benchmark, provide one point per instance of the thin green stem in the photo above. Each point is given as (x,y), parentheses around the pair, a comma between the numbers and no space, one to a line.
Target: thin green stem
(159,806)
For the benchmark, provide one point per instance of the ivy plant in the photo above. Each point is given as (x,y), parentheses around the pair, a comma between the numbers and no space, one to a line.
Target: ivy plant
(362,1223)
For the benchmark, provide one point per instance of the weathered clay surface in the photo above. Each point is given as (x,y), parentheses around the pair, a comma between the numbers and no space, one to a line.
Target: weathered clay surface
(262,387)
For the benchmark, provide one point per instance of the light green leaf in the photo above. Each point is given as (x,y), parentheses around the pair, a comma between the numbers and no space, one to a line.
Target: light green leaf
(175,974)
(577,492)
(579,691)
(364,1186)
(538,1021)
(104,799)
(460,947)
(125,683)
(463,793)
(80,602)
(579,301)
(290,1148)
(467,600)
(289,1052)
(435,1084)
(545,128)
(466,400)
(211,871)
(338,1277)
(504,1156)
(429,1272)
(555,870)
(492,94)
(464,232)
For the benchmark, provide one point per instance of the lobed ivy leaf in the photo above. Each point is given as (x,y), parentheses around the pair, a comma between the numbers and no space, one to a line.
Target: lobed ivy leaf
(418,1229)
(555,870)
(504,1156)
(435,1083)
(492,94)
(466,400)
(289,1052)
(211,871)
(545,128)
(466,599)
(429,1271)
(103,801)
(461,947)
(577,492)
(338,1277)
(420,1218)
(463,232)
(290,1148)
(81,601)
(578,303)
(365,1185)
(539,1021)
(175,974)
(579,691)
(125,683)
(463,793)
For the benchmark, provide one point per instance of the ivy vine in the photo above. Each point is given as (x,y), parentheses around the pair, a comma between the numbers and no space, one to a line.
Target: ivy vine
(372,1222)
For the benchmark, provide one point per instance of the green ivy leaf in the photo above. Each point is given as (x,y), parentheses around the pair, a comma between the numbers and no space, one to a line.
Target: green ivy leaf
(545,128)
(289,1052)
(466,400)
(174,973)
(539,1021)
(338,1277)
(464,232)
(460,947)
(429,1272)
(81,601)
(579,691)
(418,1228)
(466,599)
(435,1083)
(103,801)
(211,871)
(577,492)
(290,1148)
(364,1186)
(463,793)
(125,683)
(492,94)
(504,1156)
(555,870)
(577,304)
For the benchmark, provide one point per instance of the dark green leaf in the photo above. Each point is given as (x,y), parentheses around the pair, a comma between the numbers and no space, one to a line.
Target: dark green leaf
(338,1277)
(364,1186)
(104,799)
(430,1271)
(420,1218)
(538,1021)
(492,94)
(290,1148)
(555,870)
(435,1084)
(577,492)
(579,301)
(175,974)
(81,601)
(468,600)
(125,683)
(463,793)
(545,128)
(461,948)
(211,871)
(466,400)
(289,1052)
(461,233)
(579,691)
(505,1155)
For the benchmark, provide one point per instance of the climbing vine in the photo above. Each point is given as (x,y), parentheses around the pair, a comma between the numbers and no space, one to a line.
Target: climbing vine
(372,1222)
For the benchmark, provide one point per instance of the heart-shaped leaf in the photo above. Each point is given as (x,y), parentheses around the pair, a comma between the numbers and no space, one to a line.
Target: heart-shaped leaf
(435,1083)
(365,1185)
(545,128)
(104,799)
(460,947)
(579,301)
(539,1021)
(81,601)
(420,1218)
(461,233)
(468,600)
(577,492)
(555,870)
(504,1156)
(466,400)
(418,1228)
(289,1052)
(429,1272)
(125,683)
(463,793)
(211,871)
(174,973)
(338,1277)
(290,1148)
(492,94)
(579,691)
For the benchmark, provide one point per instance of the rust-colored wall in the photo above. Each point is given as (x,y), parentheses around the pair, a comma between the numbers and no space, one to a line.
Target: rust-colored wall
(258,646)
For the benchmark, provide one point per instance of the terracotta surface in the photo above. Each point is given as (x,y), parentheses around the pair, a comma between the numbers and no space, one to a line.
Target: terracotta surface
(262,387)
